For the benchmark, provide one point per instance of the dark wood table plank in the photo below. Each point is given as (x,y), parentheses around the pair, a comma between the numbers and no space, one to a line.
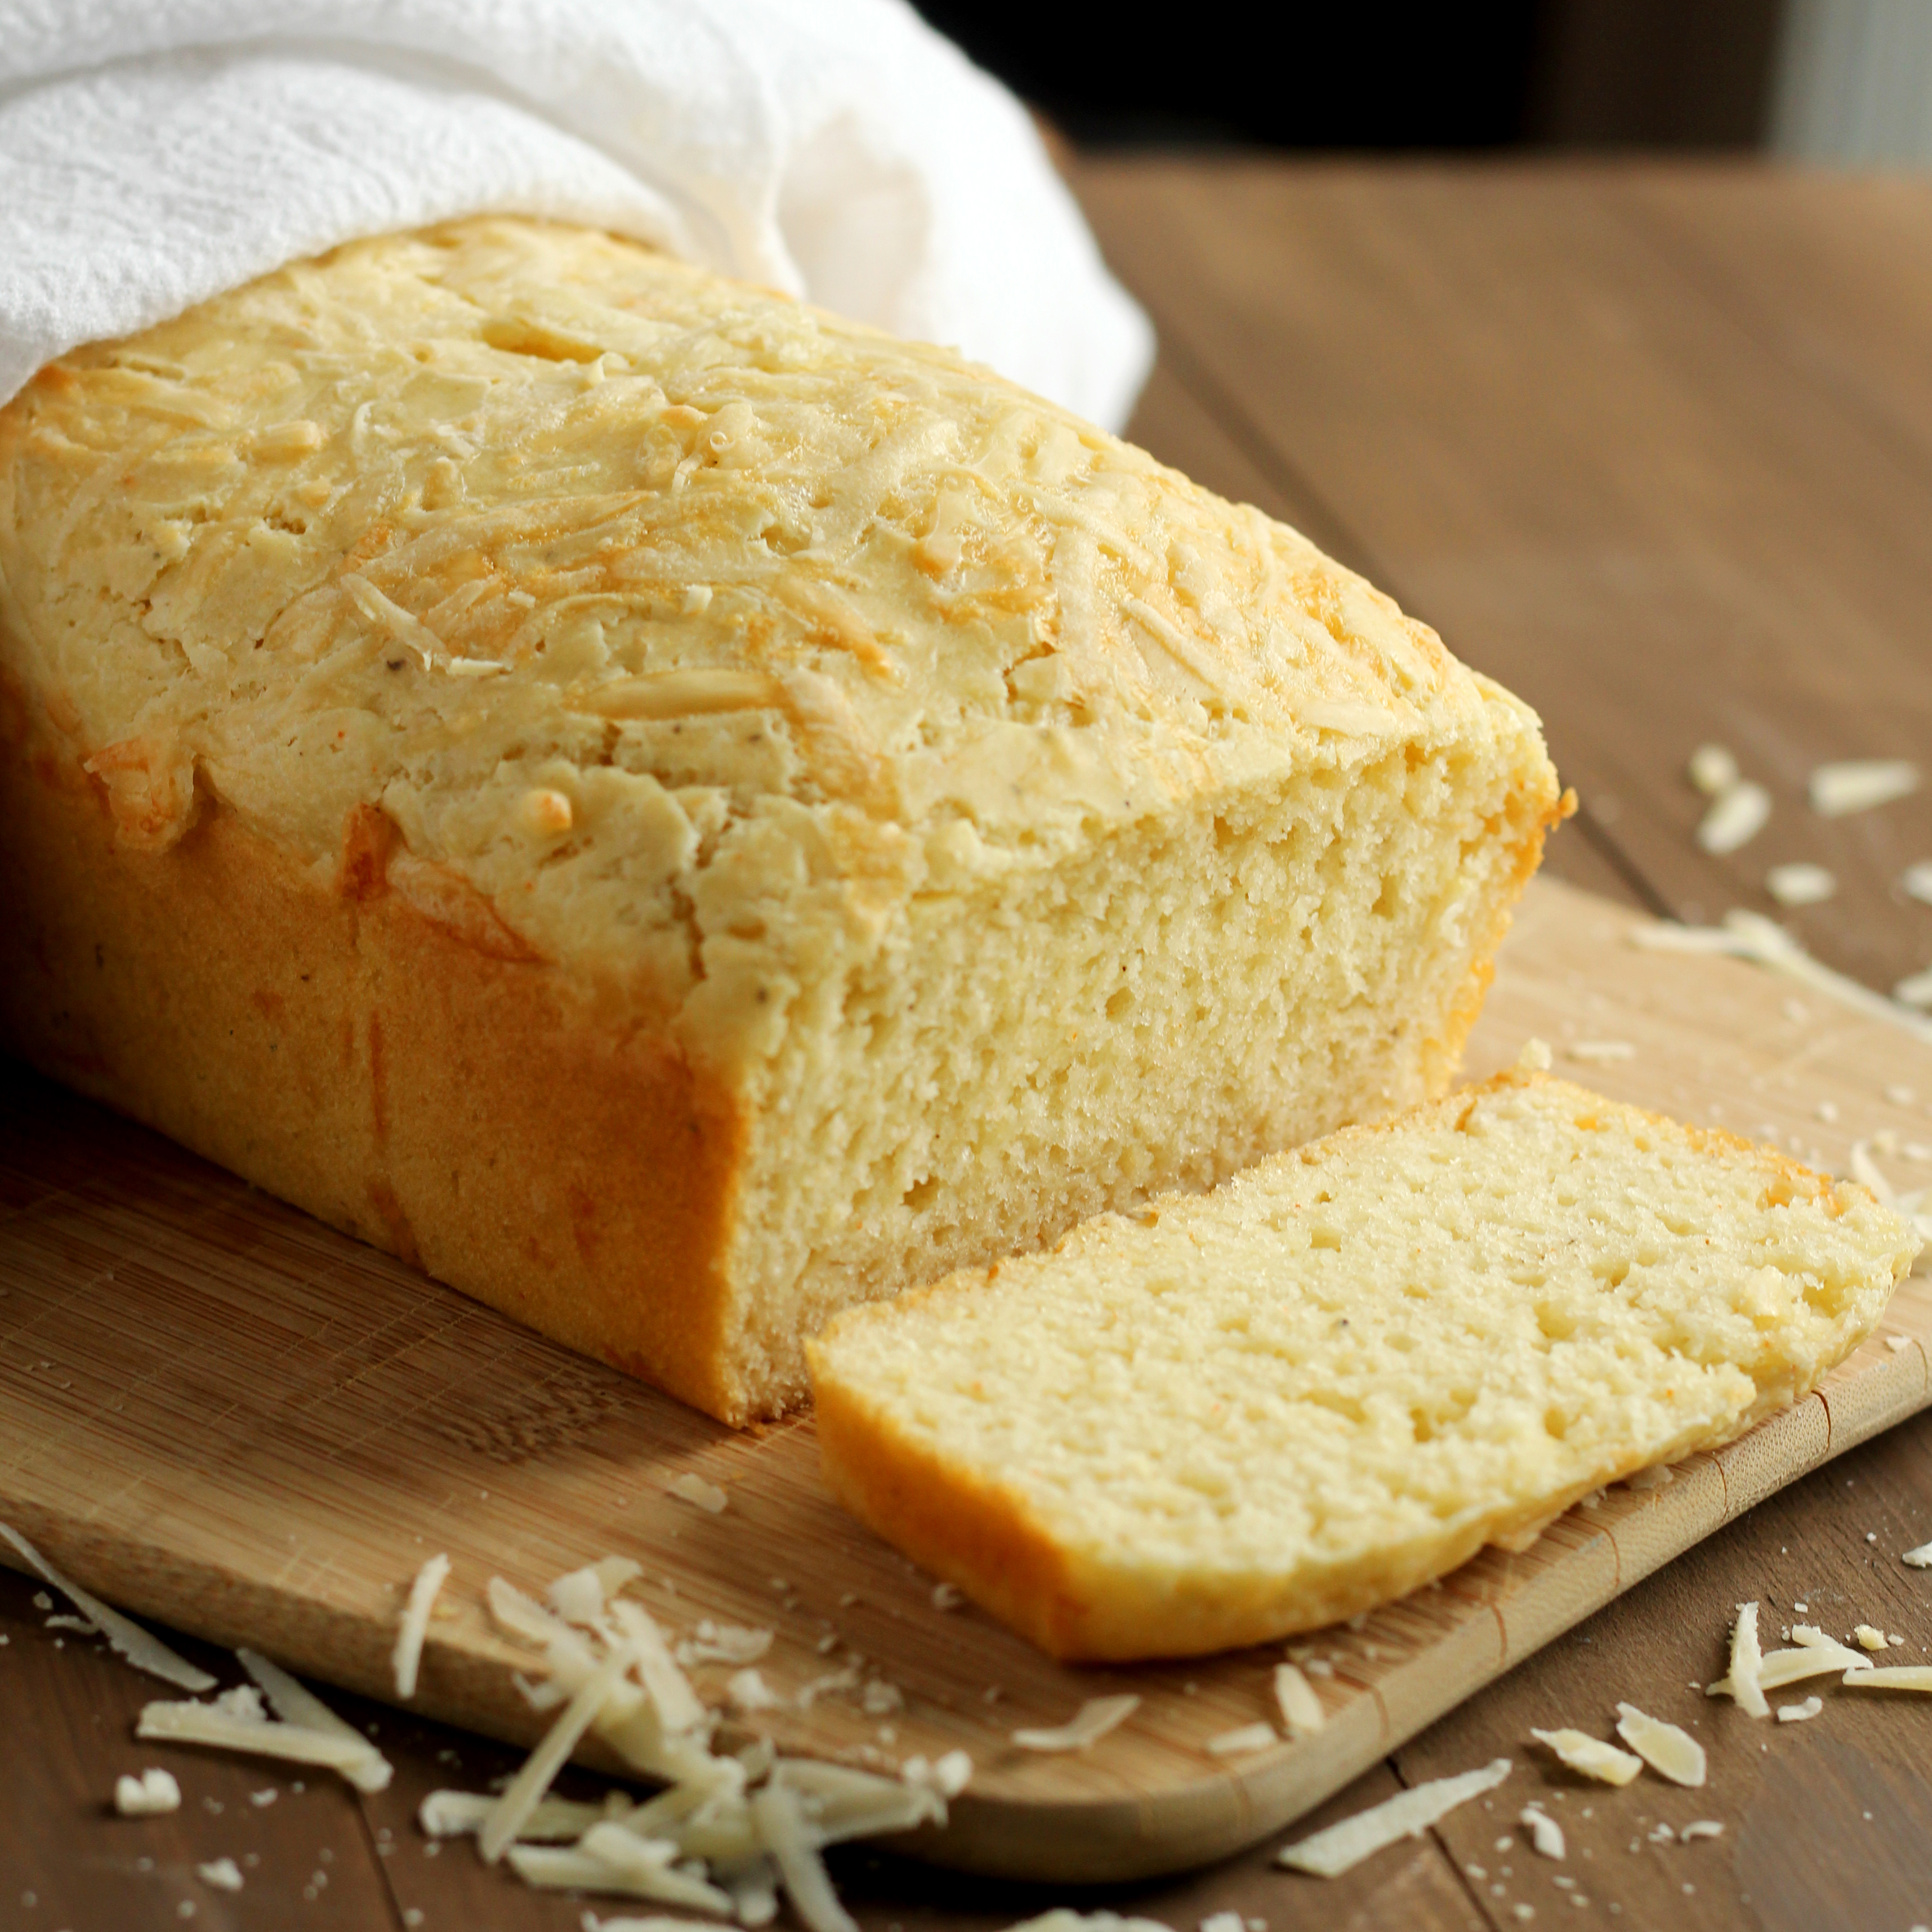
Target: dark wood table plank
(1510,403)
(306,1856)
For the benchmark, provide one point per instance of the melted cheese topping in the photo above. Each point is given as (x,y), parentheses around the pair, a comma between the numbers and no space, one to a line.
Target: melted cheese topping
(664,620)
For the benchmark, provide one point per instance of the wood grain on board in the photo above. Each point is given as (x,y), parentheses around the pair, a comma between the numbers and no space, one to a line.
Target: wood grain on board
(222,1414)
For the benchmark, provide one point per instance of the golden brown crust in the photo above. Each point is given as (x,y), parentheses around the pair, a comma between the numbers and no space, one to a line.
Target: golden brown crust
(354,1056)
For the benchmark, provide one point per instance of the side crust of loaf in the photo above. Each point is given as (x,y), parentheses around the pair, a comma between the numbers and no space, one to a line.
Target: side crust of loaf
(462,1111)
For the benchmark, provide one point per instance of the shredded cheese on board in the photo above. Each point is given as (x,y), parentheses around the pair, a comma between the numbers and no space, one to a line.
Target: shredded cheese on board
(693,1489)
(143,1650)
(1342,1847)
(1301,1702)
(1243,1742)
(1090,1723)
(406,1659)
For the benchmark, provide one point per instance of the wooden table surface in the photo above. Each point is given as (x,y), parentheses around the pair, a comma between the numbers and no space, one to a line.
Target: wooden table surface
(1652,444)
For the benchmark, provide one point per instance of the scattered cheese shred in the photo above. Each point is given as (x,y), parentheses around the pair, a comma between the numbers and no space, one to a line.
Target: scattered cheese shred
(1714,770)
(153,1793)
(747,1691)
(1893,1677)
(1859,784)
(1301,1702)
(298,1706)
(693,1489)
(1243,1742)
(779,1814)
(1673,1753)
(1806,1659)
(1800,884)
(228,1729)
(1920,1558)
(1064,1918)
(723,1643)
(527,1789)
(1749,935)
(650,1921)
(406,1659)
(1601,1052)
(1737,815)
(949,1774)
(455,1814)
(1090,1722)
(143,1650)
(1701,1828)
(1796,1713)
(1869,1638)
(1742,1684)
(1545,1834)
(1591,1756)
(1341,1847)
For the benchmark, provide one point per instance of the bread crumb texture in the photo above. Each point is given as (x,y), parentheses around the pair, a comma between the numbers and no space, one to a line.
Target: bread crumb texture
(1251,1412)
(972,801)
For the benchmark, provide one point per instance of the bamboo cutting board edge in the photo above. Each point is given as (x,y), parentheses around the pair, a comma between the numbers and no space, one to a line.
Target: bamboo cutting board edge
(1148,1800)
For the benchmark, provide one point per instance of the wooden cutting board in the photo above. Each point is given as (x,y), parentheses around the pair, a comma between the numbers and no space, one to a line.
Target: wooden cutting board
(219,1413)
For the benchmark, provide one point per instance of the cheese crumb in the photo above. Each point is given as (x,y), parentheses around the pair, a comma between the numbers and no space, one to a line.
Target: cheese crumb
(1920,1558)
(1591,1756)
(1800,885)
(223,1873)
(1701,1828)
(1796,1713)
(693,1489)
(154,1791)
(1735,817)
(1545,1834)
(1869,1638)
(1714,770)
(945,1598)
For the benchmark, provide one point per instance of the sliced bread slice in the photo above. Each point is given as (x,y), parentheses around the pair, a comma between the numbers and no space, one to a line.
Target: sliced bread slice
(1238,1414)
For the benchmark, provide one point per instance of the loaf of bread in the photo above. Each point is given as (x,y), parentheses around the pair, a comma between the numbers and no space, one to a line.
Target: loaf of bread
(679,814)
(1232,1416)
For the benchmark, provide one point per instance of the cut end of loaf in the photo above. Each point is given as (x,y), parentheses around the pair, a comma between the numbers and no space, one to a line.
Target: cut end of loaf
(1238,1415)
(1184,997)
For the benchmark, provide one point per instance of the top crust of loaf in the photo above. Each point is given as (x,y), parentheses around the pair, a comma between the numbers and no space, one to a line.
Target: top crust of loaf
(652,624)
(1242,1414)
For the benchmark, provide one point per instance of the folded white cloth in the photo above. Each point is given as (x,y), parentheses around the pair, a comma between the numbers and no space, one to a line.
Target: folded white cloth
(153,152)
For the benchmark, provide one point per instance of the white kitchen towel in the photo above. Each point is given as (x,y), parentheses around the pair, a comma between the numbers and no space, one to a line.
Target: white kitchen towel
(154,152)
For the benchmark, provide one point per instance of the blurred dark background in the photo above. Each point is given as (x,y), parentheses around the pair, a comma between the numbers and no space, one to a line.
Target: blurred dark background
(1591,74)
